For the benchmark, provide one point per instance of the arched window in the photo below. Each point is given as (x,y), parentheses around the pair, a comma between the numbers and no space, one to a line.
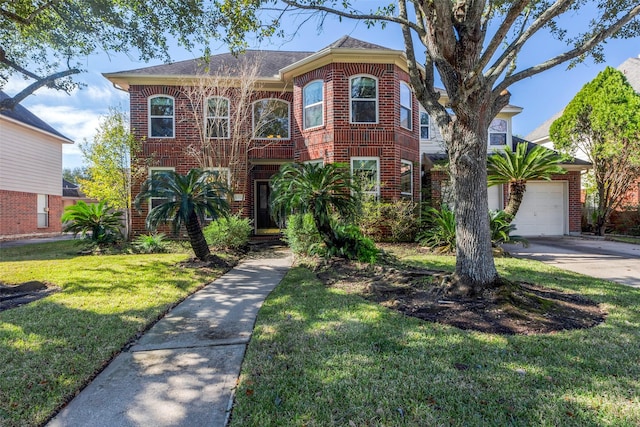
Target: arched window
(161,117)
(363,99)
(217,122)
(406,112)
(271,119)
(313,97)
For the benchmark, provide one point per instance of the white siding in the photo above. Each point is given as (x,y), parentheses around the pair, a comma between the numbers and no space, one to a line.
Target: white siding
(30,161)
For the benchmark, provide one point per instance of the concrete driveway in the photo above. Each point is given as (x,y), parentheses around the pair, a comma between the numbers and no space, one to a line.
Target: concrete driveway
(615,261)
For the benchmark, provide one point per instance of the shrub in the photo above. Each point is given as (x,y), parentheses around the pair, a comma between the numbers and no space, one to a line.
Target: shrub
(151,243)
(501,228)
(229,233)
(95,221)
(440,234)
(390,222)
(354,244)
(301,234)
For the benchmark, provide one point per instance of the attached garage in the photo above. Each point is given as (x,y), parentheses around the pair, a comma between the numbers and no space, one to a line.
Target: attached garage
(543,211)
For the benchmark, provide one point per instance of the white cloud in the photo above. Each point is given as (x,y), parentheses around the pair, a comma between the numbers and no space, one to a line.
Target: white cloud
(74,123)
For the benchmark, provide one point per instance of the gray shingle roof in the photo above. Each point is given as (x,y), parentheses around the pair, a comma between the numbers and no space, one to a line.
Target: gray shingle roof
(21,114)
(347,42)
(630,68)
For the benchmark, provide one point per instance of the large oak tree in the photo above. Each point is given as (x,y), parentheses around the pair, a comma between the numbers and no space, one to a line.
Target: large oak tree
(473,47)
(47,41)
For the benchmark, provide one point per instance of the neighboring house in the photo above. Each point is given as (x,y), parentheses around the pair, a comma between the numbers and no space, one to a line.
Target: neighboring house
(71,194)
(350,102)
(631,69)
(30,174)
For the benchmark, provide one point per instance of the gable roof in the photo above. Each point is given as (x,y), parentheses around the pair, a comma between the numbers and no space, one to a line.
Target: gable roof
(24,116)
(630,68)
(347,42)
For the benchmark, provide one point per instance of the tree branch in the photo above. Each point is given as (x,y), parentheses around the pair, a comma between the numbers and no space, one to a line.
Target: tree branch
(29,19)
(356,16)
(10,103)
(573,53)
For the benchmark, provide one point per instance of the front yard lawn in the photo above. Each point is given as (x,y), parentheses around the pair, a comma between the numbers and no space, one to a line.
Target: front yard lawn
(50,348)
(320,357)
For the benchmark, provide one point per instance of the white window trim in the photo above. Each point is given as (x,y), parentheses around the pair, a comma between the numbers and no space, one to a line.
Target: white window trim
(253,120)
(376,192)
(173,116)
(507,141)
(422,110)
(410,193)
(157,169)
(207,117)
(304,107)
(409,107)
(377,99)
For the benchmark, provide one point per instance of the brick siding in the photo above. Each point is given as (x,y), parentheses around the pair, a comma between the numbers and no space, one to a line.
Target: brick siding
(18,214)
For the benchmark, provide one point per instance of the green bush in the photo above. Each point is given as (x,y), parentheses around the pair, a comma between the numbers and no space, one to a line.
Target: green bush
(389,222)
(151,243)
(440,232)
(354,244)
(96,222)
(228,233)
(301,234)
(501,229)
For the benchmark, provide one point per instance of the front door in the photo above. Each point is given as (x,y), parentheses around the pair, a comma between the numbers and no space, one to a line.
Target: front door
(264,222)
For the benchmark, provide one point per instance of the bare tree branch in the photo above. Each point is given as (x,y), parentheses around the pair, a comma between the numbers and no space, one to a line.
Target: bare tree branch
(573,53)
(10,103)
(29,19)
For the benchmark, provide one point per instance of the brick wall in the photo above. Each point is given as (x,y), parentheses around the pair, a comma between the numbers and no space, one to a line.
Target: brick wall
(18,214)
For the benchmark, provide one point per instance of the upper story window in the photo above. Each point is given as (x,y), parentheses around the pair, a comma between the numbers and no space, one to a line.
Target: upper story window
(217,121)
(498,132)
(425,122)
(161,117)
(271,119)
(367,171)
(405,106)
(312,104)
(363,96)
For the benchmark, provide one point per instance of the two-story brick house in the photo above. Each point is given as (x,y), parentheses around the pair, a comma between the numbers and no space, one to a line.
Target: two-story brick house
(350,102)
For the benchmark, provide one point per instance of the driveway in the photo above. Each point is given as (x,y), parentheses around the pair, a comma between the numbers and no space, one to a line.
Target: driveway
(615,261)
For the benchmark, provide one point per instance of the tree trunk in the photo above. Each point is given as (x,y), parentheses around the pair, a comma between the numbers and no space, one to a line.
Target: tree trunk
(196,238)
(475,268)
(516,194)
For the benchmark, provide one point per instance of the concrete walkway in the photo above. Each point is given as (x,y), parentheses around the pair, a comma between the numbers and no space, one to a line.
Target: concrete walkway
(184,370)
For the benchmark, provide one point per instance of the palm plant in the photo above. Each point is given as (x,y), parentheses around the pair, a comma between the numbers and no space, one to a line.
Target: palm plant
(100,220)
(322,191)
(186,201)
(517,167)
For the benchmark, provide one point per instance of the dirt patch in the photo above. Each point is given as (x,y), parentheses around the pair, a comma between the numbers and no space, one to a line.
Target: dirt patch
(16,295)
(513,308)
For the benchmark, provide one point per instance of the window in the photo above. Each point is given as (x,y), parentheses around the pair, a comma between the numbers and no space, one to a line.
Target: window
(406,178)
(405,106)
(221,175)
(161,117)
(424,125)
(156,173)
(312,104)
(217,117)
(367,171)
(364,99)
(498,132)
(42,210)
(271,119)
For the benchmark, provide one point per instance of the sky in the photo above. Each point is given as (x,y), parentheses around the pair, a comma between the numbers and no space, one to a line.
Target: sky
(77,115)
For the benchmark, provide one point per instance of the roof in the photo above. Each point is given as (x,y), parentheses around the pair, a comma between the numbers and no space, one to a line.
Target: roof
(630,68)
(69,189)
(22,115)
(347,42)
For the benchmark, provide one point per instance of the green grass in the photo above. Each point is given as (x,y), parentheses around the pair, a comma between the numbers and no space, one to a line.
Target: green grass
(625,239)
(320,357)
(50,348)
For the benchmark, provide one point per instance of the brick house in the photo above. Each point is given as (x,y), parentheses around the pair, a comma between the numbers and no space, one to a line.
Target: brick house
(350,102)
(30,174)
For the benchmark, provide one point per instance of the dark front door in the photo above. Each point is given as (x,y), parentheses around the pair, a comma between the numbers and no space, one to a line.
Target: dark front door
(263,217)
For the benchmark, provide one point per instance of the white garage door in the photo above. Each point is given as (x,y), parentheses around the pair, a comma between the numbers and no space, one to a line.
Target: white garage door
(543,210)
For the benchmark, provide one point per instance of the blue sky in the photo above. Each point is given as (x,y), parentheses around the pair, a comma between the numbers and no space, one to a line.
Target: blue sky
(77,115)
